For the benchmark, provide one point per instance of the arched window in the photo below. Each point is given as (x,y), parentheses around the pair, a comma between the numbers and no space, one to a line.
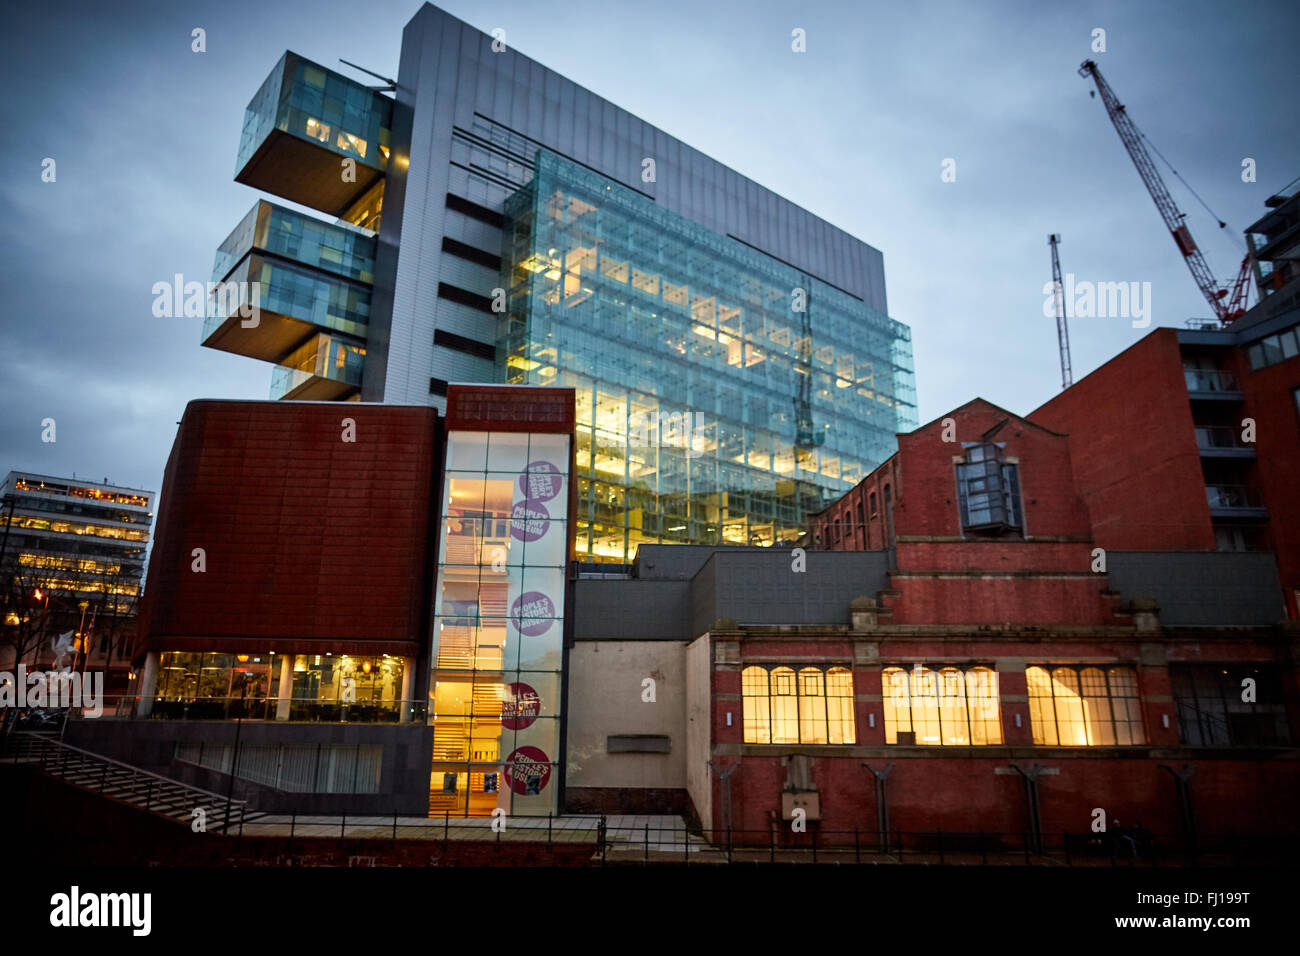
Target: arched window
(785,706)
(757,711)
(953,705)
(1084,706)
(840,725)
(811,706)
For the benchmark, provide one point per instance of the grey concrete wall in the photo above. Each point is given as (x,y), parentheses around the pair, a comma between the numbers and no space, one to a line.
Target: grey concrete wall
(681,562)
(631,610)
(759,587)
(1201,588)
(699,727)
(605,693)
(151,745)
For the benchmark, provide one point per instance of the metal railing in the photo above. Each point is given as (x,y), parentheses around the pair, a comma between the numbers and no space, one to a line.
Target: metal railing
(122,781)
(1233,496)
(1218,436)
(294,710)
(1210,380)
(658,844)
(1124,847)
(298,710)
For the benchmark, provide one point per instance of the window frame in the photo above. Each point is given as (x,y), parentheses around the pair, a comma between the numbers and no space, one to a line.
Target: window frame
(1002,498)
(760,711)
(890,702)
(1227,678)
(1135,726)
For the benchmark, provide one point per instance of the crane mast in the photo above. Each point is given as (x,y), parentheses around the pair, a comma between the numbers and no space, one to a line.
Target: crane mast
(1132,139)
(805,435)
(1058,296)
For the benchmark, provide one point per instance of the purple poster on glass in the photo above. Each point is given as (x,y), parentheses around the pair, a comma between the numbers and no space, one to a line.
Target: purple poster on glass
(520,707)
(532,613)
(528,770)
(529,520)
(541,481)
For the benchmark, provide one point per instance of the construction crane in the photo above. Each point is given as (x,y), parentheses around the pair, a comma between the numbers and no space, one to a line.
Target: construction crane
(1058,296)
(1131,136)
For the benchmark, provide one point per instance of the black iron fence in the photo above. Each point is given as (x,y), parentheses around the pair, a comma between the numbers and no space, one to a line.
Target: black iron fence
(669,841)
(1115,847)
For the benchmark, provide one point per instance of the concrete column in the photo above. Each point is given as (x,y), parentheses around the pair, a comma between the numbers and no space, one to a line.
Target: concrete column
(408,688)
(148,684)
(286,687)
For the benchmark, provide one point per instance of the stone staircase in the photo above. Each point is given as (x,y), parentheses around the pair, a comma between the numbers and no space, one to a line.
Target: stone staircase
(116,780)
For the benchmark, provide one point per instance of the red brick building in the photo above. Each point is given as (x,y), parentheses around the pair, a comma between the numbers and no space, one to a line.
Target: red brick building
(1188,441)
(356,607)
(295,527)
(1009,673)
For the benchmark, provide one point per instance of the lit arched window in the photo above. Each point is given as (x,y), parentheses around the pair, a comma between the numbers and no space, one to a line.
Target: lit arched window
(1084,706)
(757,712)
(840,725)
(811,706)
(952,705)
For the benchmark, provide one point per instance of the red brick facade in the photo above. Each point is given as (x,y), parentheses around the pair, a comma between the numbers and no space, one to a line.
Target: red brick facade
(1010,601)
(314,522)
(1132,431)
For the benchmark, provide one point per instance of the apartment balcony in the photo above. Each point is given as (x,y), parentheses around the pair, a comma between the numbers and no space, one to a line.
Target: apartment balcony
(300,126)
(1212,385)
(324,369)
(293,303)
(1235,501)
(1221,441)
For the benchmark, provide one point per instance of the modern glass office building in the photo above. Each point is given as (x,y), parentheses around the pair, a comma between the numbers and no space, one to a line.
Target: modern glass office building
(732,353)
(687,351)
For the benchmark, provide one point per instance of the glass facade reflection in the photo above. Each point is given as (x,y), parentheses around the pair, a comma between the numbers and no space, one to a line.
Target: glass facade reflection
(324,687)
(311,102)
(320,357)
(498,627)
(341,250)
(302,294)
(687,351)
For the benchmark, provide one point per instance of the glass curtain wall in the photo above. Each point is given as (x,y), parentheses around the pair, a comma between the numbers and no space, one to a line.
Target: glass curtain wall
(326,687)
(687,352)
(498,627)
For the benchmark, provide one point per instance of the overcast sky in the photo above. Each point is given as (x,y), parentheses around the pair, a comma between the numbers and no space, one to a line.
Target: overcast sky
(144,133)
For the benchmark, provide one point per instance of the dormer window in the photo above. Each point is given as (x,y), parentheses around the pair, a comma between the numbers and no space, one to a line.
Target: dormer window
(988,491)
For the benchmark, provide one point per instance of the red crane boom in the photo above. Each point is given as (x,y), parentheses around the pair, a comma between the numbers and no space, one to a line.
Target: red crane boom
(1132,139)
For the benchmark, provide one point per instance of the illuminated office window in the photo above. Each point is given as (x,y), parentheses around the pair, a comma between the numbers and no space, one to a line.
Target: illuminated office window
(811,705)
(949,705)
(1084,706)
(680,347)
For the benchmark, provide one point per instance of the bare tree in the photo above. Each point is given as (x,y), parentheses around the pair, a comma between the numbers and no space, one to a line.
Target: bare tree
(27,621)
